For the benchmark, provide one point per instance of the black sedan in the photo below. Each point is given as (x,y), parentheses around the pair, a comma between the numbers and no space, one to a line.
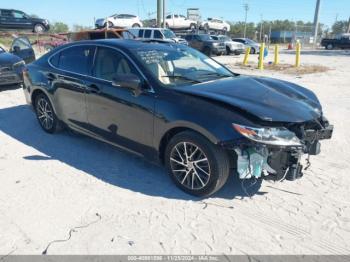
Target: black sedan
(171,103)
(12,63)
(11,67)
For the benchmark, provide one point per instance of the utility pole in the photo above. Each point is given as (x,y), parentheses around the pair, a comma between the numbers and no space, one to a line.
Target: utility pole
(261,27)
(349,26)
(159,13)
(317,13)
(164,6)
(246,8)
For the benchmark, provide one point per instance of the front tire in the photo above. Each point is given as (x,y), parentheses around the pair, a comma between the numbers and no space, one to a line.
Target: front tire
(39,28)
(136,26)
(207,51)
(45,114)
(196,165)
(252,50)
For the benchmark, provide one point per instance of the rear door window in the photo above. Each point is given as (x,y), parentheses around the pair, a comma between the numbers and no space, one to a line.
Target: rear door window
(76,59)
(141,33)
(148,33)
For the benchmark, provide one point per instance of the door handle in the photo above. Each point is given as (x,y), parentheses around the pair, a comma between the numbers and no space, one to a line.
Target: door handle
(93,89)
(51,77)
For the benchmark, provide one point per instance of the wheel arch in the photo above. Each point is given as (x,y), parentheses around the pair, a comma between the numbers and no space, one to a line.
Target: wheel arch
(37,92)
(181,127)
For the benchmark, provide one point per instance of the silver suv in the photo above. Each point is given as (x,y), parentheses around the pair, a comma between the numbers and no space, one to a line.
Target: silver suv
(163,34)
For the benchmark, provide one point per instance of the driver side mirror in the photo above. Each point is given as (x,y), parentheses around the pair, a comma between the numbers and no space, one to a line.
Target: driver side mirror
(130,81)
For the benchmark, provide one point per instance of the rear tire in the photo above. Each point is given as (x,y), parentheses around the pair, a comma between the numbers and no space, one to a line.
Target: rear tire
(329,47)
(228,50)
(252,50)
(193,27)
(45,114)
(206,168)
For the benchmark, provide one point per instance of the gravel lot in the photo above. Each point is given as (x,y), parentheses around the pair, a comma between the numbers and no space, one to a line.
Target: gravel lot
(51,184)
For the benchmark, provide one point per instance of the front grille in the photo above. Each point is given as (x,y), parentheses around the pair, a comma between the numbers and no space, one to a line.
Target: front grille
(5,69)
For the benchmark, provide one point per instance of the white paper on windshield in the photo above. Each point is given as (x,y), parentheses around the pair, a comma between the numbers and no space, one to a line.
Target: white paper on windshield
(212,63)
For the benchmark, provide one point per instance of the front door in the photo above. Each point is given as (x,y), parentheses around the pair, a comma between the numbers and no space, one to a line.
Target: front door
(21,20)
(21,47)
(115,113)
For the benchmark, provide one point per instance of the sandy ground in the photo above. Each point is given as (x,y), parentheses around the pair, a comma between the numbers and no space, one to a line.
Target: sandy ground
(101,200)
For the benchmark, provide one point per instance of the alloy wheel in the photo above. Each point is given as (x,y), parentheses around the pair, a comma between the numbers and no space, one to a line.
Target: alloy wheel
(45,114)
(190,165)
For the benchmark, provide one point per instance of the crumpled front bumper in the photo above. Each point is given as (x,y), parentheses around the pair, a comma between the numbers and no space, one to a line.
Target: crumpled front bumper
(253,159)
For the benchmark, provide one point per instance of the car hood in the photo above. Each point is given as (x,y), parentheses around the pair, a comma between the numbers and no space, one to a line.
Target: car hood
(266,98)
(7,59)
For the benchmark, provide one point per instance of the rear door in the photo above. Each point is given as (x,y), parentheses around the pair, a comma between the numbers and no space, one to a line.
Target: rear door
(71,71)
(7,19)
(21,47)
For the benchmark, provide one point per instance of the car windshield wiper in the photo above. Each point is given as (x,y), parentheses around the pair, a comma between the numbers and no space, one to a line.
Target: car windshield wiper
(215,74)
(183,78)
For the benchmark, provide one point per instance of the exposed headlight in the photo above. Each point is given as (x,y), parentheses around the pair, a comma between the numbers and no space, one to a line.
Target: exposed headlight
(215,44)
(20,63)
(278,136)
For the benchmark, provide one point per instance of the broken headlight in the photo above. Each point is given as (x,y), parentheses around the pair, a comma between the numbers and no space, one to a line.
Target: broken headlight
(278,136)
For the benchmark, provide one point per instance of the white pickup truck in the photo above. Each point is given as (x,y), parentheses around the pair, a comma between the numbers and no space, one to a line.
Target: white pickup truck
(175,21)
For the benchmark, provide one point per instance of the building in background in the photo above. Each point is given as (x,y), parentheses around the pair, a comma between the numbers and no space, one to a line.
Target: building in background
(291,37)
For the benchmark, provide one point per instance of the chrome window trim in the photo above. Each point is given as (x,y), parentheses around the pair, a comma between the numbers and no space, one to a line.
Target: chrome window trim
(150,89)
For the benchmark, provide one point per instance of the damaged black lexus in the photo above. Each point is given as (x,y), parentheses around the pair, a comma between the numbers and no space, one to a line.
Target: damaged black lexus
(172,103)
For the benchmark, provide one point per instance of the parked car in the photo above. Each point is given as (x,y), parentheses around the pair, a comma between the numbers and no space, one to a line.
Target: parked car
(173,104)
(206,44)
(15,19)
(254,46)
(232,47)
(175,21)
(12,63)
(216,24)
(342,42)
(54,41)
(119,20)
(100,34)
(162,34)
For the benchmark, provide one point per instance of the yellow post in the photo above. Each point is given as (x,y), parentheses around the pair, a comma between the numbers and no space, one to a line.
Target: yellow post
(297,57)
(277,60)
(261,56)
(246,56)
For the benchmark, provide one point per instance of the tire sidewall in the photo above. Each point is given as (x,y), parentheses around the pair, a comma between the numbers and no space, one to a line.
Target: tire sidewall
(39,26)
(55,121)
(200,142)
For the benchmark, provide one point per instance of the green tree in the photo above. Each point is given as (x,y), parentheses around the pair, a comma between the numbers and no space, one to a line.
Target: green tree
(78,28)
(340,27)
(59,27)
(237,29)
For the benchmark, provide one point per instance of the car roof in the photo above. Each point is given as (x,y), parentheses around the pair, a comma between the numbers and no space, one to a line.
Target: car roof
(125,44)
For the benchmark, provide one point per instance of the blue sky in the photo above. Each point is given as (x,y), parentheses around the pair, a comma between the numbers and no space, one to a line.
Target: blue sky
(83,11)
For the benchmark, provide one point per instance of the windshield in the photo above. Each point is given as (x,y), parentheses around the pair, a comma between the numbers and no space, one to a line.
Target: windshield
(168,33)
(179,65)
(225,38)
(205,37)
